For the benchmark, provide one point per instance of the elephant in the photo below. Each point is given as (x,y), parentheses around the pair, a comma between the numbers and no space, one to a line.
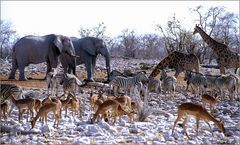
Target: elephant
(37,49)
(87,49)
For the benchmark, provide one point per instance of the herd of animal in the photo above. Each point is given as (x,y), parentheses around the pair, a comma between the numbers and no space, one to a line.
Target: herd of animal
(116,97)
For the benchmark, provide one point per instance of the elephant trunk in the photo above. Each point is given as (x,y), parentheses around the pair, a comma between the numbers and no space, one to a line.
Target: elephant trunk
(106,54)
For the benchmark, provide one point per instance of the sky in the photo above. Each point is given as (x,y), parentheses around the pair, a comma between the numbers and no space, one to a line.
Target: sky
(66,17)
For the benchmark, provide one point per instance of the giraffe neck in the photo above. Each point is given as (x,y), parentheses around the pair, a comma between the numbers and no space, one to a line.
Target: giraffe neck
(164,63)
(213,44)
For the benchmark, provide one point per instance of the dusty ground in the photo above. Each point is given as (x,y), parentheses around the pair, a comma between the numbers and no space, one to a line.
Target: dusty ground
(156,130)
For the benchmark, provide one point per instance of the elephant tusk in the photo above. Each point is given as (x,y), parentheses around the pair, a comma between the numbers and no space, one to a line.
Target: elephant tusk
(75,56)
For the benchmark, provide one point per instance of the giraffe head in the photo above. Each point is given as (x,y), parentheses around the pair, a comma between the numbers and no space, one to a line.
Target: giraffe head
(196,29)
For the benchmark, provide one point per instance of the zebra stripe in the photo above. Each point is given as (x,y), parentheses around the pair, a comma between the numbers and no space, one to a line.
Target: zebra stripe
(168,83)
(8,90)
(128,82)
(115,73)
(196,79)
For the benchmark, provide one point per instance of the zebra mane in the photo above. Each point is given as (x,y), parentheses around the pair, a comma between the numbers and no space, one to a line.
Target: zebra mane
(139,72)
(194,72)
(117,72)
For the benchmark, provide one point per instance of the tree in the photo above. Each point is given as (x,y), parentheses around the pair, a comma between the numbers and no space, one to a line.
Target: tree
(99,31)
(220,25)
(151,45)
(7,38)
(175,37)
(129,42)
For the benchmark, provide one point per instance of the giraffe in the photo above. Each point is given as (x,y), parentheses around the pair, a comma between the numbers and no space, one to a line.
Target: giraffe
(179,61)
(225,57)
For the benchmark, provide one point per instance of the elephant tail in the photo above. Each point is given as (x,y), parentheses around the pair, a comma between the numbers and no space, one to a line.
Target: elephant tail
(14,59)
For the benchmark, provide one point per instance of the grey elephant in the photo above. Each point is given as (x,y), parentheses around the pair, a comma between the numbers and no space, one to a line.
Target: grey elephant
(87,49)
(37,49)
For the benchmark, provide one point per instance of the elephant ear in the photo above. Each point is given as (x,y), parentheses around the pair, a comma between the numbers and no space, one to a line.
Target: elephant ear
(58,43)
(90,46)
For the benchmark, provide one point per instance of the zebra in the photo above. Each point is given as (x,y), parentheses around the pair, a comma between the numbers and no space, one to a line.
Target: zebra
(8,91)
(223,82)
(226,82)
(128,82)
(154,85)
(168,83)
(115,73)
(197,79)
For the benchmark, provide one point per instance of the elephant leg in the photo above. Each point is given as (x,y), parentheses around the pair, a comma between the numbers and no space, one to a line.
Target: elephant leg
(88,66)
(93,64)
(14,68)
(74,70)
(49,69)
(12,74)
(22,74)
(69,70)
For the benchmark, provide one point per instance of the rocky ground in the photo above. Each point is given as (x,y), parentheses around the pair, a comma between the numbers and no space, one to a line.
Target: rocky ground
(156,129)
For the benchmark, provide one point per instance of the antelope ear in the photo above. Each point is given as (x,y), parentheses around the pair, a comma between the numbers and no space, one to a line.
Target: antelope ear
(57,41)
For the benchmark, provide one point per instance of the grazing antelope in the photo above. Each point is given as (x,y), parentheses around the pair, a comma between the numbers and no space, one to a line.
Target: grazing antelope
(53,100)
(96,100)
(106,106)
(120,112)
(190,109)
(44,110)
(125,101)
(207,99)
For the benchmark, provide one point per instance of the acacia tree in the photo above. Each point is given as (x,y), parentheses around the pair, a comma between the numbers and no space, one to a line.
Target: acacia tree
(129,43)
(176,38)
(226,30)
(99,31)
(151,45)
(7,38)
(220,25)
